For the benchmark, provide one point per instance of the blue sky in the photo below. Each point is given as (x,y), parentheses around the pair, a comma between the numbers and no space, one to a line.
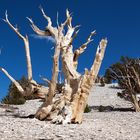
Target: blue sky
(118,20)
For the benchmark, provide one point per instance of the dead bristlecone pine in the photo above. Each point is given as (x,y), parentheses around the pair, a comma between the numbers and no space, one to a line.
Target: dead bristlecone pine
(68,106)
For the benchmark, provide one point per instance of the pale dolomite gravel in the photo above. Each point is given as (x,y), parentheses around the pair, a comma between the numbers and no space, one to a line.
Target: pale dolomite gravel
(112,125)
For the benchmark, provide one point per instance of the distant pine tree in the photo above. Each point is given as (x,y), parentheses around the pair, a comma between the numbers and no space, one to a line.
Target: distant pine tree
(127,73)
(107,76)
(14,96)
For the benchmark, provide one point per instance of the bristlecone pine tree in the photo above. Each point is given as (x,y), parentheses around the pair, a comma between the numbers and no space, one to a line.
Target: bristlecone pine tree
(69,105)
(127,73)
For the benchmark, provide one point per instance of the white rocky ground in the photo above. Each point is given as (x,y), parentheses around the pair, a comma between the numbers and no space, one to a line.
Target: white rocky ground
(107,125)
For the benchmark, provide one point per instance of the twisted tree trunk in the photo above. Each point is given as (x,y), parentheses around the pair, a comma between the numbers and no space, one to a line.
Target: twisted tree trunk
(68,106)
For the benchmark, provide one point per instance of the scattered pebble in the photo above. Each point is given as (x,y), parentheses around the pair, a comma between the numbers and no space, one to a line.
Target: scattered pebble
(97,125)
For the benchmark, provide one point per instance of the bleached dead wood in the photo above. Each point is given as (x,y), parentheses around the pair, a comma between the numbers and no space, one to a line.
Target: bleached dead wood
(68,106)
(82,48)
(87,82)
(33,87)
(26,45)
(13,80)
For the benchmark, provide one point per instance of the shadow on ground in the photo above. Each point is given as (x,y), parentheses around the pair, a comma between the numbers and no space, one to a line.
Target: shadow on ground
(110,108)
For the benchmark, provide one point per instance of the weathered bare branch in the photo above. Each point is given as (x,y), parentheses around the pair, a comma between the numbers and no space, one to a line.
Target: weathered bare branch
(26,43)
(37,30)
(15,29)
(68,19)
(98,58)
(74,36)
(81,49)
(13,80)
(46,17)
(45,80)
(49,30)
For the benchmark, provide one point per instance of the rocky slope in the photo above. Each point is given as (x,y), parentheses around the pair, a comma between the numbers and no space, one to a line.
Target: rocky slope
(117,121)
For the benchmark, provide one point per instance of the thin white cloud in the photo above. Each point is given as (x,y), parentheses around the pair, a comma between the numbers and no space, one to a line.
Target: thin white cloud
(1,50)
(48,38)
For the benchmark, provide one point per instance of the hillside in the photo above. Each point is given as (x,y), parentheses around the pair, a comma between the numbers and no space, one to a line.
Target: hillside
(117,121)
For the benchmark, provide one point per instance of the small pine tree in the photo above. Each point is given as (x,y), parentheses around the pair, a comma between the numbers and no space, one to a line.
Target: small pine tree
(127,73)
(14,96)
(107,76)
